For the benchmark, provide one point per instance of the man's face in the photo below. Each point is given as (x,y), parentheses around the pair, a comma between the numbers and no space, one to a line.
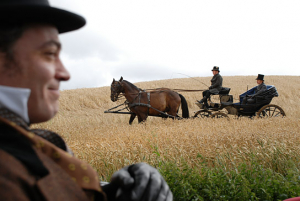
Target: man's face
(215,72)
(259,82)
(37,66)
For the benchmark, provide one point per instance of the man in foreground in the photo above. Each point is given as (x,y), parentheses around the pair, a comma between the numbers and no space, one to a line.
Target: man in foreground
(215,88)
(259,89)
(37,164)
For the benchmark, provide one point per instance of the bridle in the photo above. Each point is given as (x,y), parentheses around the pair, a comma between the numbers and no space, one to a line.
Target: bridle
(116,89)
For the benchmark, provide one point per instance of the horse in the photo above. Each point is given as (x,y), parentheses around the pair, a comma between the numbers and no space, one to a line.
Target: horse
(162,102)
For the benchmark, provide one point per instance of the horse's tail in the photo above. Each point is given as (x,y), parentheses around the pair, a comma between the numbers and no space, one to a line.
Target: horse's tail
(184,107)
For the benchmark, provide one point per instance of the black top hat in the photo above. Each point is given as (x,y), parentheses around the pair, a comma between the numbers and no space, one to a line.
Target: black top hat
(260,77)
(215,68)
(38,11)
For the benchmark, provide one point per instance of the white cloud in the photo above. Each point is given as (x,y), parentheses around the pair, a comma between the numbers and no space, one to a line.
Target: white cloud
(149,40)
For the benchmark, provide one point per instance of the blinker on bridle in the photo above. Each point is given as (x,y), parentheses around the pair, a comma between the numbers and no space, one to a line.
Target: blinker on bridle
(116,89)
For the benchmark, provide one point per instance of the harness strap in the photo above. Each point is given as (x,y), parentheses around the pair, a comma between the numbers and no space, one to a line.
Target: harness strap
(148,95)
(140,93)
(130,105)
(139,104)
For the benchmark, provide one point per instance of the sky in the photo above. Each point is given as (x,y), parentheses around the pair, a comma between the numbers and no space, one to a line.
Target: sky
(164,39)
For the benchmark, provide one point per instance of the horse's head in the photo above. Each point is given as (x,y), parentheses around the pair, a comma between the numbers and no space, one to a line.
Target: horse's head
(116,88)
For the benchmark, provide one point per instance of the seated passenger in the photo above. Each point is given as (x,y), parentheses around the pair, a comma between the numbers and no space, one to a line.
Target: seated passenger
(215,88)
(260,88)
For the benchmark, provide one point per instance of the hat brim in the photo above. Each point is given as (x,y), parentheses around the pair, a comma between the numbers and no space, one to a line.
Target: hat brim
(63,20)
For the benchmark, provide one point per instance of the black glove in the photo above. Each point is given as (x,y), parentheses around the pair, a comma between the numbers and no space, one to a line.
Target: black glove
(141,182)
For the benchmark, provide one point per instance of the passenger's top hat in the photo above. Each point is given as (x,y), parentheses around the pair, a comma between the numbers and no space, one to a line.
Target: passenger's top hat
(215,68)
(260,77)
(38,11)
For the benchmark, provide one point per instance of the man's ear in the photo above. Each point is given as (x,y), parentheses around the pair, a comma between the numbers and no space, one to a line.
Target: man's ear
(8,69)
(2,60)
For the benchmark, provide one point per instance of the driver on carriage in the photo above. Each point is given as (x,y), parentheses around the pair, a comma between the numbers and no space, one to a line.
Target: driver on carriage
(215,88)
(260,89)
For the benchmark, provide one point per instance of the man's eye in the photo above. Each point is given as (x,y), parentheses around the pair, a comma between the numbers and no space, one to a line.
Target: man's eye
(51,54)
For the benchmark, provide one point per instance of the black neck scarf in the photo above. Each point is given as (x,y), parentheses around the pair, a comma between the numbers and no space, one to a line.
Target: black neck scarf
(19,147)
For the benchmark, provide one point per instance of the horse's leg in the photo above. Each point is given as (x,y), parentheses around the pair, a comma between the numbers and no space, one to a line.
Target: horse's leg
(142,117)
(173,113)
(132,116)
(173,106)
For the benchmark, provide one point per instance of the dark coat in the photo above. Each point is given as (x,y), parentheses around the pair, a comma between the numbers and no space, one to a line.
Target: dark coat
(28,173)
(260,88)
(216,84)
(18,183)
(254,98)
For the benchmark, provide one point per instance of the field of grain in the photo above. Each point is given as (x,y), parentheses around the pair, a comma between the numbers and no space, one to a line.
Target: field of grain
(108,142)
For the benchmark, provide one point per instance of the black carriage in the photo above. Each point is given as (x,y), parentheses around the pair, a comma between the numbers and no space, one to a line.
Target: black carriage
(261,107)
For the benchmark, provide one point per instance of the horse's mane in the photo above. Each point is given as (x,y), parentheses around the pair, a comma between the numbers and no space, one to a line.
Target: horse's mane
(132,85)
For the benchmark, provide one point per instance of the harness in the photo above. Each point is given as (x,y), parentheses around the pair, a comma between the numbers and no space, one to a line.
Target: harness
(130,105)
(138,96)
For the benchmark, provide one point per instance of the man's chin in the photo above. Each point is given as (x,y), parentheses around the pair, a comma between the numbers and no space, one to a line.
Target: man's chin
(43,116)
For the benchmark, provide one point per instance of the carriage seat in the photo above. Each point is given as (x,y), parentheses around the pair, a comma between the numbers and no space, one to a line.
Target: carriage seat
(224,97)
(224,91)
(265,96)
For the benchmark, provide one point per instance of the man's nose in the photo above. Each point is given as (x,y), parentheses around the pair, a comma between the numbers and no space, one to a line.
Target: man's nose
(62,73)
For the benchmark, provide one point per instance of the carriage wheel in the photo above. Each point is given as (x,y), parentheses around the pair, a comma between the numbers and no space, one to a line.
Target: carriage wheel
(219,115)
(202,114)
(268,111)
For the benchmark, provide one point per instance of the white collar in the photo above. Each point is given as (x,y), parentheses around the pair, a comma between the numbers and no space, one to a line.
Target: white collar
(15,99)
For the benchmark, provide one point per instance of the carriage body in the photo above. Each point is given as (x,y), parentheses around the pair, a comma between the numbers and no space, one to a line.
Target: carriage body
(260,108)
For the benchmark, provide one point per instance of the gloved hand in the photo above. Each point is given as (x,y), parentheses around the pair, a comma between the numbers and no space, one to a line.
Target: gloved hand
(141,182)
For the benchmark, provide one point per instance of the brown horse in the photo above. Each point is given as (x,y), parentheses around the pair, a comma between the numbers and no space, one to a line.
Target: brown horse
(161,102)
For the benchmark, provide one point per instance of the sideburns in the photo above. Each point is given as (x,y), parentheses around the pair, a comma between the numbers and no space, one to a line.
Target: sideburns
(8,37)
(11,67)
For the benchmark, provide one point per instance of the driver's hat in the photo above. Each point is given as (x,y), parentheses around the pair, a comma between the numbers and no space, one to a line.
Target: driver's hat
(260,77)
(216,68)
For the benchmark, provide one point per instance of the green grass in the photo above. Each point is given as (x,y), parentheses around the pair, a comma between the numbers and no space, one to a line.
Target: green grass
(268,174)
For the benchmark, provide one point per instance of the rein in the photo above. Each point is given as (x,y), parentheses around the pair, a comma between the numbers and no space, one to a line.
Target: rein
(177,90)
(188,90)
(156,91)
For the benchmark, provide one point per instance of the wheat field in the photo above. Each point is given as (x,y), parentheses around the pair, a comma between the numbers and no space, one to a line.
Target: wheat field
(108,142)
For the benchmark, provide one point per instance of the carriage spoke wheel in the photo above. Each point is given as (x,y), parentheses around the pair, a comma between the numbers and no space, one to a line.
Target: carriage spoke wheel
(268,111)
(202,114)
(219,115)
